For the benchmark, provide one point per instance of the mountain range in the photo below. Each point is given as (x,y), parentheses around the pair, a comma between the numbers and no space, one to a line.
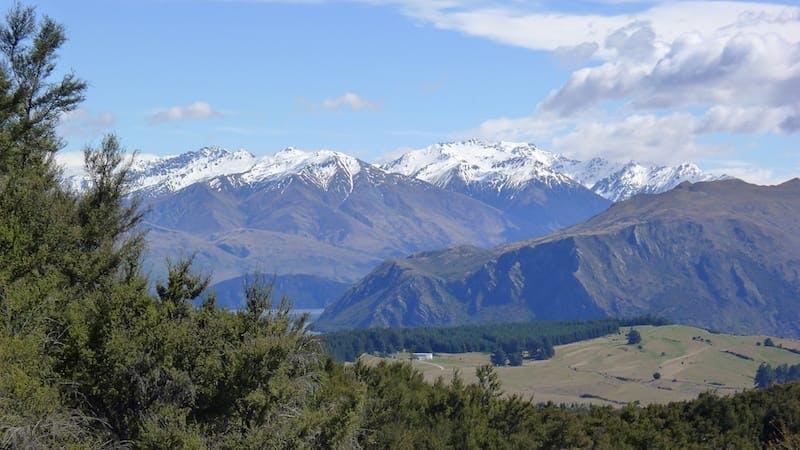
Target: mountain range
(722,255)
(321,220)
(480,168)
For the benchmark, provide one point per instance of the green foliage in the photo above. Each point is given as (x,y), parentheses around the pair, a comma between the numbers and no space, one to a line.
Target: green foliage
(182,287)
(402,411)
(87,355)
(30,101)
(535,338)
(499,357)
(767,375)
(89,358)
(634,337)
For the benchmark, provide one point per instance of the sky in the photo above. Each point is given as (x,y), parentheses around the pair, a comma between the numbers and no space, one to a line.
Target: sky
(660,82)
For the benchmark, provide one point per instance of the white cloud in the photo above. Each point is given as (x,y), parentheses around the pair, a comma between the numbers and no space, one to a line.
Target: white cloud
(660,78)
(192,111)
(576,54)
(72,162)
(350,101)
(82,122)
(745,70)
(747,172)
(667,138)
(741,120)
(532,25)
(531,129)
(735,66)
(647,138)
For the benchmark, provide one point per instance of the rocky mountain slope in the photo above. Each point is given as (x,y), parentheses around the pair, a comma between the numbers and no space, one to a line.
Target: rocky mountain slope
(519,179)
(723,255)
(322,214)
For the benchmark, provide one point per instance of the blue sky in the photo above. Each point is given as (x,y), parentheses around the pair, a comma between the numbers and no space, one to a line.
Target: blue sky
(717,83)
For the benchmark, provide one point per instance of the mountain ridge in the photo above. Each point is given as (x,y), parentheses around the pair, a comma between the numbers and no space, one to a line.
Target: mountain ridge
(513,164)
(271,214)
(498,165)
(711,254)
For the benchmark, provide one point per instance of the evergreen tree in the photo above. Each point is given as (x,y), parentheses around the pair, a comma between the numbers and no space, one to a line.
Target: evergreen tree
(499,357)
(634,337)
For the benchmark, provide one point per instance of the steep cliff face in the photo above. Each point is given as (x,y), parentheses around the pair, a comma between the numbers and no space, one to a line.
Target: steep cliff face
(723,255)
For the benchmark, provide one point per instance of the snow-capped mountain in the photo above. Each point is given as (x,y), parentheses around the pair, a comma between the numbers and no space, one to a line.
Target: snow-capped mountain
(509,165)
(173,173)
(519,179)
(319,168)
(310,217)
(618,181)
(460,166)
(330,217)
(501,165)
(217,165)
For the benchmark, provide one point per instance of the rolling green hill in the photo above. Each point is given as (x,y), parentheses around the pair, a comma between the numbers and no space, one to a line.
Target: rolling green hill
(608,371)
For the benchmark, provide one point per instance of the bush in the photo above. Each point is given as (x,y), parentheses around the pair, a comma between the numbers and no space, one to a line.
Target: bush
(634,337)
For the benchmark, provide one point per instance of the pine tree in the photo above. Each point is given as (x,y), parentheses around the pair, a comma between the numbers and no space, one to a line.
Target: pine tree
(499,357)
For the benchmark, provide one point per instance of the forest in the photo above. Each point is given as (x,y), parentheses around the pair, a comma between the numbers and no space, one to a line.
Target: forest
(535,339)
(767,375)
(91,357)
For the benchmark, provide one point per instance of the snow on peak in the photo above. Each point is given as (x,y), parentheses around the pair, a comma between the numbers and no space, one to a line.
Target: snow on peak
(511,164)
(502,164)
(172,173)
(319,167)
(618,181)
(210,164)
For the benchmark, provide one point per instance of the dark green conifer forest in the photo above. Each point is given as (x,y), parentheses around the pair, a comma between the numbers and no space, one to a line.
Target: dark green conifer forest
(534,339)
(91,358)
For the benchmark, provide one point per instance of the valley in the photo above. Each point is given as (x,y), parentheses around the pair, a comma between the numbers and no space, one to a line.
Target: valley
(363,249)
(608,371)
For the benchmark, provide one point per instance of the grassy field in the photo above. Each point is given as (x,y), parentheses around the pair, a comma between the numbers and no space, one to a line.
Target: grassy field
(608,371)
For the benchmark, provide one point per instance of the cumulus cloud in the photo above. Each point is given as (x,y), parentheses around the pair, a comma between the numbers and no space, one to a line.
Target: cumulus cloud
(576,54)
(643,137)
(666,78)
(666,138)
(634,41)
(719,119)
(349,101)
(82,122)
(746,70)
(192,111)
(647,138)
